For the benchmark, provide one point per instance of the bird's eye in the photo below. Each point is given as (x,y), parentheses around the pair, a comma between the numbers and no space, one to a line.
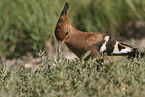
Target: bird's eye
(66,33)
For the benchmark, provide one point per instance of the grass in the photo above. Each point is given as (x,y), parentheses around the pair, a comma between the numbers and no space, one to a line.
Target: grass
(26,25)
(75,78)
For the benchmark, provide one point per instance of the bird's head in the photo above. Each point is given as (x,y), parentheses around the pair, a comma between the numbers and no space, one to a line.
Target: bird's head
(61,30)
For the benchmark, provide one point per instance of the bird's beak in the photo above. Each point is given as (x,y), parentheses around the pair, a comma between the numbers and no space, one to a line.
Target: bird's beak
(59,48)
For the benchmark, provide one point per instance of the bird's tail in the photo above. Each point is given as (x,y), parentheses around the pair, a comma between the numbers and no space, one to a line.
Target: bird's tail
(121,48)
(135,54)
(112,47)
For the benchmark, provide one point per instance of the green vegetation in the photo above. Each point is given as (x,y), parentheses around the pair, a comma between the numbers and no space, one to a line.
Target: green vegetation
(123,78)
(25,25)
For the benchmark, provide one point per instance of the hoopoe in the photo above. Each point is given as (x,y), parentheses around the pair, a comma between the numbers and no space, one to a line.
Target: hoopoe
(80,42)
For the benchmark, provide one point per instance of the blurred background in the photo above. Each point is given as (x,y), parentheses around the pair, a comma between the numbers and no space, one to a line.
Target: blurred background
(27,26)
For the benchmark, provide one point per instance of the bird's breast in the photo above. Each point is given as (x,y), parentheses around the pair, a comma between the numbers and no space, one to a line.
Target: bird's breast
(77,45)
(79,50)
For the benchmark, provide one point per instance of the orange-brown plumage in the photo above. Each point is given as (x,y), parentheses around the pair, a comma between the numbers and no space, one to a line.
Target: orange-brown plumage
(80,42)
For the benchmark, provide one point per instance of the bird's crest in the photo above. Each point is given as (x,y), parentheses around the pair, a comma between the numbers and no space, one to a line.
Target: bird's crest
(62,22)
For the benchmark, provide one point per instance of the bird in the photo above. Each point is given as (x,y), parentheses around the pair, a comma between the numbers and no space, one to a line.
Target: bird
(80,42)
